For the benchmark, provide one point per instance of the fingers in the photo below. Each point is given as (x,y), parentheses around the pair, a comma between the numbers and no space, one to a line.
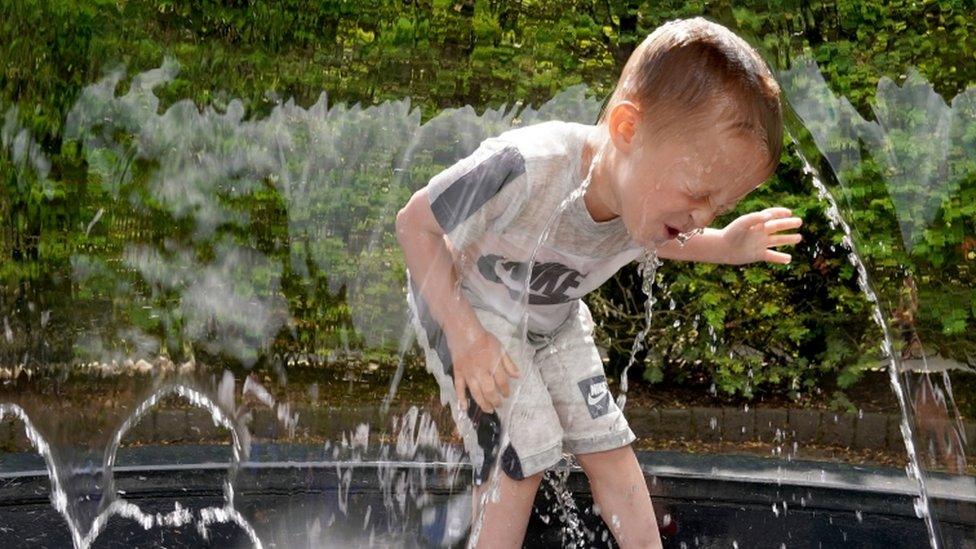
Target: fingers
(479,397)
(777,257)
(500,377)
(484,387)
(494,398)
(783,224)
(490,393)
(778,211)
(486,380)
(510,366)
(753,218)
(476,393)
(459,386)
(784,239)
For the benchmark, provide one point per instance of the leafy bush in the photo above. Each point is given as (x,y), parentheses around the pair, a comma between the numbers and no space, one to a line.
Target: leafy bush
(775,328)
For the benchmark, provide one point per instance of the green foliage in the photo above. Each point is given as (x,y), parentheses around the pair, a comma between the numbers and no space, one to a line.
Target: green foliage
(748,330)
(792,328)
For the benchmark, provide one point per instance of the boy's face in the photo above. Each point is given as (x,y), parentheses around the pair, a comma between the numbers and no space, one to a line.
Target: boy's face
(682,182)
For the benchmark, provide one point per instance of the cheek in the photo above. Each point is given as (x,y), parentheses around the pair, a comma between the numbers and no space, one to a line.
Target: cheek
(640,214)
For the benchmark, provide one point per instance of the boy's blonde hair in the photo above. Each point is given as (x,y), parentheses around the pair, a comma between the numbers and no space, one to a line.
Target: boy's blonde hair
(689,71)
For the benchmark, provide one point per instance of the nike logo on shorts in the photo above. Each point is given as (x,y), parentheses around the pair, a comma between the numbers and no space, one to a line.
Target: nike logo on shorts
(597,395)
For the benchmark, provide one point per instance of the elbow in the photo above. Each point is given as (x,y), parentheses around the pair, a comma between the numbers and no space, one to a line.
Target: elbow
(407,224)
(402,223)
(415,221)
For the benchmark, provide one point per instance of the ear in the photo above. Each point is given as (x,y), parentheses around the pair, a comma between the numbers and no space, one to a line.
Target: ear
(622,125)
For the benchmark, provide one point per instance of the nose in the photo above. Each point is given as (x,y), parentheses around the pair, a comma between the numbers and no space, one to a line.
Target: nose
(702,216)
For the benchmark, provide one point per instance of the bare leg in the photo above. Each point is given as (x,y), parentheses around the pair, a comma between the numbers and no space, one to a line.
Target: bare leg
(505,520)
(621,492)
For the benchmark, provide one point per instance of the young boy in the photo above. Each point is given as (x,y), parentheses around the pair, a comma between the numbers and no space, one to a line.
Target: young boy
(693,125)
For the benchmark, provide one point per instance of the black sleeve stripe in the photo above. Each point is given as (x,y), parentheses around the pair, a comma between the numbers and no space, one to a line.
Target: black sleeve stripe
(469,192)
(436,339)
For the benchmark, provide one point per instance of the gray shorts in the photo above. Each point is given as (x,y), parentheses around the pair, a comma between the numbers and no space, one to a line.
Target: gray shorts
(561,402)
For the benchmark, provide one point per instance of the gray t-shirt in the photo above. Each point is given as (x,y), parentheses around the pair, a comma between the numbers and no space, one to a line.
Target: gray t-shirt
(494,204)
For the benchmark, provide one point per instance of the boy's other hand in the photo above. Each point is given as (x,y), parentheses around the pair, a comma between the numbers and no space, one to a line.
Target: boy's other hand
(482,367)
(749,237)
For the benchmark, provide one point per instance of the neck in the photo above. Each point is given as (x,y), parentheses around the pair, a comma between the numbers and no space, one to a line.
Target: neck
(598,197)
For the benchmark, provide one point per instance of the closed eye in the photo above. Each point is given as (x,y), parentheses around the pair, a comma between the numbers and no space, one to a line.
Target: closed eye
(720,210)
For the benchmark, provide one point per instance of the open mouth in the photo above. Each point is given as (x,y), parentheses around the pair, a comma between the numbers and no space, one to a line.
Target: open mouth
(672,232)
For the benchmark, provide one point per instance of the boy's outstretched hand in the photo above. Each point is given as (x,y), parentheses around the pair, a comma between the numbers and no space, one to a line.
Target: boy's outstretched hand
(749,237)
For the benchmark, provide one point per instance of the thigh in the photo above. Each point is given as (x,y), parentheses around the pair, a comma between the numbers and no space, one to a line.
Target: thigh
(573,372)
(527,416)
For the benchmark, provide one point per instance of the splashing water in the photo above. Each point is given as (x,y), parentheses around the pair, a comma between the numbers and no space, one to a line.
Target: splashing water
(415,437)
(275,148)
(647,271)
(919,180)
(683,238)
(229,301)
(922,506)
(112,502)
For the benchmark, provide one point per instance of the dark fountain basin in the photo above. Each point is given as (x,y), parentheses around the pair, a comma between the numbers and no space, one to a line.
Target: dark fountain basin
(292,496)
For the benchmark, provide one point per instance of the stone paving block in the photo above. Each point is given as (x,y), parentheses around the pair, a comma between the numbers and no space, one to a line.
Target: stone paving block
(643,421)
(837,428)
(768,422)
(707,423)
(332,422)
(144,431)
(895,440)
(12,435)
(263,425)
(6,426)
(870,431)
(804,426)
(738,425)
(171,425)
(200,426)
(970,428)
(18,436)
(675,423)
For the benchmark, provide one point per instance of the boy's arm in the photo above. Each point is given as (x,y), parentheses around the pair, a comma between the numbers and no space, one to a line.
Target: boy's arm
(480,366)
(745,240)
(707,247)
(432,267)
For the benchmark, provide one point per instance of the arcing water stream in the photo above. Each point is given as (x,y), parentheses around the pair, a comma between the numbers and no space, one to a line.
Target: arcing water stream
(923,507)
(208,159)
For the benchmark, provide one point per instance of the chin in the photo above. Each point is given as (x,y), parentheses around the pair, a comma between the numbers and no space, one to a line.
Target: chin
(648,240)
(651,242)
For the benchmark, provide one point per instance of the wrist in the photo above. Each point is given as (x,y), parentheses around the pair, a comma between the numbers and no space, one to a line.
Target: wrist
(722,236)
(732,255)
(463,333)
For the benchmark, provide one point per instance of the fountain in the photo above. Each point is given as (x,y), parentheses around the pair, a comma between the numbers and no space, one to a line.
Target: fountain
(230,281)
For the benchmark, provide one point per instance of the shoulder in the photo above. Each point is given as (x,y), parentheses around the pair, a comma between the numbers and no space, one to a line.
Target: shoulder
(543,140)
(518,150)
